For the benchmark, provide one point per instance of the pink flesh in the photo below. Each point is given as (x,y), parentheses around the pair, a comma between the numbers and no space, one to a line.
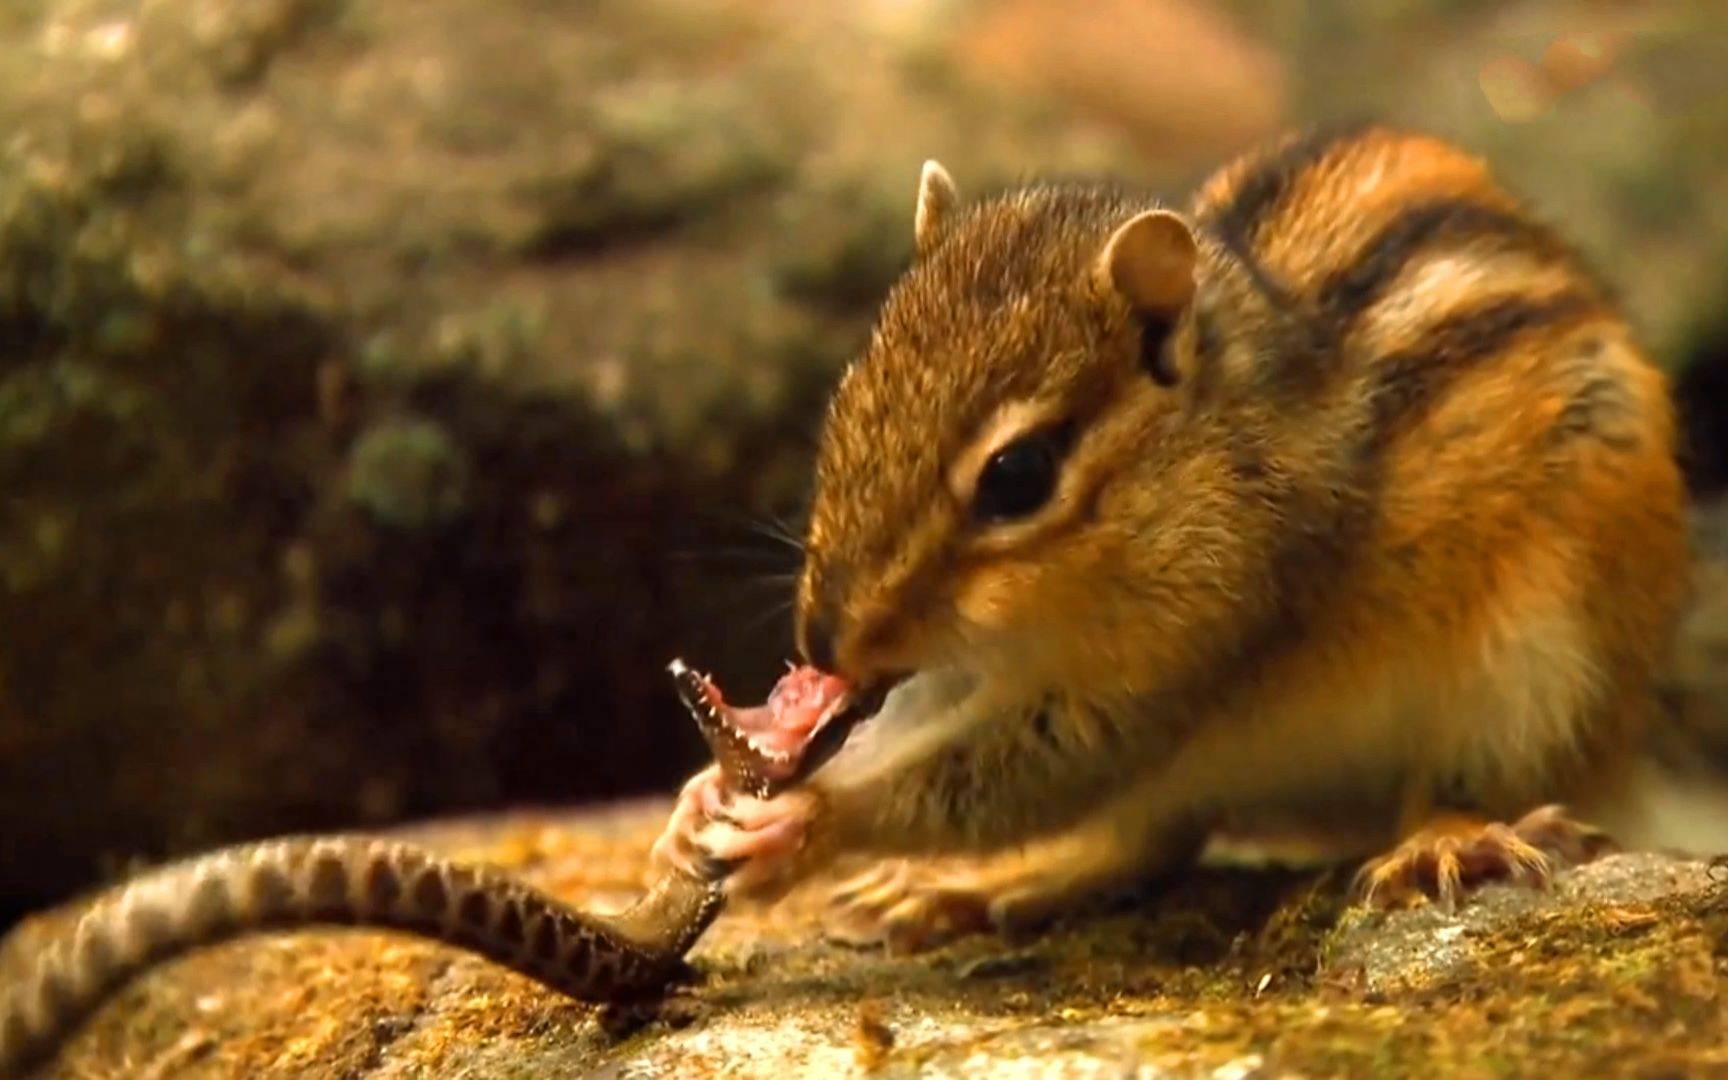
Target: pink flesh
(785,723)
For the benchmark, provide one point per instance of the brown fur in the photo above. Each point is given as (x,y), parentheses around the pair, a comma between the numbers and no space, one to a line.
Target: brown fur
(1406,530)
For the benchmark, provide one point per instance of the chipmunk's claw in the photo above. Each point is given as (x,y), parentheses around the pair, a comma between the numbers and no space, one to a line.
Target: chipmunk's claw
(1447,860)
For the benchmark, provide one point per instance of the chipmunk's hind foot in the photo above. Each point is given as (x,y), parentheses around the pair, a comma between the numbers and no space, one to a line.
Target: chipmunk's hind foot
(1452,856)
(909,906)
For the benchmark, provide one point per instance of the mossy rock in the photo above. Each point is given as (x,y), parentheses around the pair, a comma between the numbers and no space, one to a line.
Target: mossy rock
(1618,969)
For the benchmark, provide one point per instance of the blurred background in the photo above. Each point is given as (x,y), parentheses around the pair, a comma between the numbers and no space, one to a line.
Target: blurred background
(389,388)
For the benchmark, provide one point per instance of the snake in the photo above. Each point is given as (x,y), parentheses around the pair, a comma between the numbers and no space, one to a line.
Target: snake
(379,883)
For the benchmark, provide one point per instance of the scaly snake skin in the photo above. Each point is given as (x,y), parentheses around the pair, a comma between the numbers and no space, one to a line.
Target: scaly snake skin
(352,881)
(372,882)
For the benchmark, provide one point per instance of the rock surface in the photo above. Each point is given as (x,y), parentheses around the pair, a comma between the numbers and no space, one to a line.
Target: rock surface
(1621,968)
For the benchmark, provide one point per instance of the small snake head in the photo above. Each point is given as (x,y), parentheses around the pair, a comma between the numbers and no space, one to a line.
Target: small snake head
(763,751)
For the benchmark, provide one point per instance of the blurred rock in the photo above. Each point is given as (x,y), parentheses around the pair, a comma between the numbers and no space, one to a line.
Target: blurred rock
(1616,970)
(1608,117)
(1175,75)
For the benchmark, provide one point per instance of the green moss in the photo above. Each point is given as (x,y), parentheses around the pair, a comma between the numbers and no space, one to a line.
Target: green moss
(663,153)
(408,474)
(842,248)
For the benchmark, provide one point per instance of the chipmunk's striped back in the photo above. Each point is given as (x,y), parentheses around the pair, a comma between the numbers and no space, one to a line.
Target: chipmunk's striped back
(1483,406)
(1413,266)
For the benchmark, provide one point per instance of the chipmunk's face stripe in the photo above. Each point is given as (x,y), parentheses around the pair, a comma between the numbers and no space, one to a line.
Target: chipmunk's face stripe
(1014,421)
(1357,286)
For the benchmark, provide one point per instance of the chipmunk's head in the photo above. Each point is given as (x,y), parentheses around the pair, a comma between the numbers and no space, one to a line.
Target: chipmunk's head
(1011,478)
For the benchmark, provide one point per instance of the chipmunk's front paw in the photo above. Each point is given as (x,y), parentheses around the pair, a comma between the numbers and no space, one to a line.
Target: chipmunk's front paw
(752,842)
(678,846)
(1449,858)
(760,840)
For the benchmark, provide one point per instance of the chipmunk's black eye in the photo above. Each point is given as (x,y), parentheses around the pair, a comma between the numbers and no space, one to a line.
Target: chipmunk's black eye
(1020,477)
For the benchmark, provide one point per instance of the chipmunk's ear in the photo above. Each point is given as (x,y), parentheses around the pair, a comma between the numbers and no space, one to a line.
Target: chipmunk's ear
(1150,261)
(937,197)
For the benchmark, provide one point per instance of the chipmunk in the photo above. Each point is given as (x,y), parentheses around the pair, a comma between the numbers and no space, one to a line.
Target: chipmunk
(1343,496)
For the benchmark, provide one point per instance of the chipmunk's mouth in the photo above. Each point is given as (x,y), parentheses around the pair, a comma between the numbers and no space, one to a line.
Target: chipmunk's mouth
(766,748)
